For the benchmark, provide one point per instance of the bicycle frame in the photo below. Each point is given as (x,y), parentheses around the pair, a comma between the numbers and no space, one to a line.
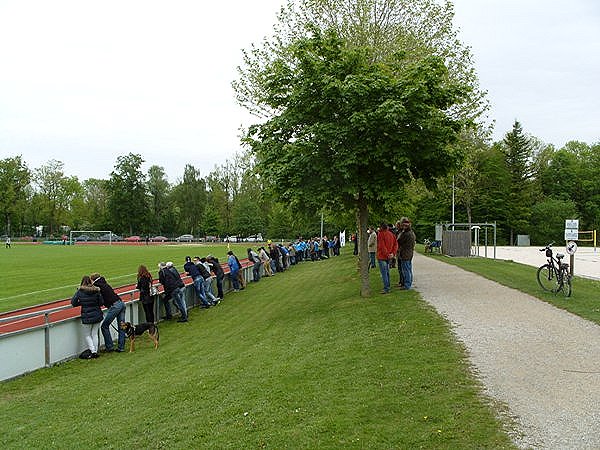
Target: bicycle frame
(557,272)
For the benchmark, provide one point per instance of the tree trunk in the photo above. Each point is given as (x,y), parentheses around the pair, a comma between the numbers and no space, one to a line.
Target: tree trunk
(362,219)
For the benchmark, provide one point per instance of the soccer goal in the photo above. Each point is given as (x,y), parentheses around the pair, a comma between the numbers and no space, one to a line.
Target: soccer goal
(84,236)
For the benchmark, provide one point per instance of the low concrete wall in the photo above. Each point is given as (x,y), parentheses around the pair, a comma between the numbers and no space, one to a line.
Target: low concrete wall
(43,346)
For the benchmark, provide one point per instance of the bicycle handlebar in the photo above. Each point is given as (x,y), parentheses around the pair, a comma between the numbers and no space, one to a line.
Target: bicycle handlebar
(547,246)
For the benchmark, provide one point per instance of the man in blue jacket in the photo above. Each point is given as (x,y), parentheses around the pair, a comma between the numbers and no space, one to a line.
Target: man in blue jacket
(234,268)
(194,272)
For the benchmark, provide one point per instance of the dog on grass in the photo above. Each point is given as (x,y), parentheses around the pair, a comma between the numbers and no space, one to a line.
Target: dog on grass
(132,331)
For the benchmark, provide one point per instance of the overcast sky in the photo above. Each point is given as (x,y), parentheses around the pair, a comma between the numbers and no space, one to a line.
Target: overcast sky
(86,81)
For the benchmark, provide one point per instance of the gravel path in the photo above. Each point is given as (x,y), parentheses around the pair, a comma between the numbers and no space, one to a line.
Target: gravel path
(540,361)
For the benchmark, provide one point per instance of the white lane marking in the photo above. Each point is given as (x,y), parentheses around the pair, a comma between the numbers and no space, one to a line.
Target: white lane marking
(57,288)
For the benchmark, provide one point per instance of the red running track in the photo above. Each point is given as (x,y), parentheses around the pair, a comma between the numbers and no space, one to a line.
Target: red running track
(19,324)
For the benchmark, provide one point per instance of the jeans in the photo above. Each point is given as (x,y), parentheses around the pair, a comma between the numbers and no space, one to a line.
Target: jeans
(208,290)
(234,279)
(256,271)
(200,290)
(168,313)
(384,268)
(117,310)
(371,260)
(407,273)
(179,302)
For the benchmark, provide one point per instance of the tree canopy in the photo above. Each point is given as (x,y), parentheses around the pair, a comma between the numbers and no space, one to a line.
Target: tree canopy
(349,129)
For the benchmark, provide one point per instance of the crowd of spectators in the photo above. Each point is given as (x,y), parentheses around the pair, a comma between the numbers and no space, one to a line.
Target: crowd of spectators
(267,261)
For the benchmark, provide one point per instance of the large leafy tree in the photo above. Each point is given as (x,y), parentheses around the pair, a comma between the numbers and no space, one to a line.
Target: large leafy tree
(548,220)
(224,184)
(587,176)
(14,180)
(248,216)
(419,28)
(348,128)
(56,192)
(95,198)
(127,200)
(190,197)
(159,189)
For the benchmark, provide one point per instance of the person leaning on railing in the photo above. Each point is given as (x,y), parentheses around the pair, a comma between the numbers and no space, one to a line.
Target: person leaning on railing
(116,310)
(144,281)
(219,274)
(89,298)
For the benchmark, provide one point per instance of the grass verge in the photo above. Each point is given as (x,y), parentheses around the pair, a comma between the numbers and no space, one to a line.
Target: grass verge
(294,361)
(582,302)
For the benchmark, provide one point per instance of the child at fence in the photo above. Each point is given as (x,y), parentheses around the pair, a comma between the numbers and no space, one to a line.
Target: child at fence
(89,298)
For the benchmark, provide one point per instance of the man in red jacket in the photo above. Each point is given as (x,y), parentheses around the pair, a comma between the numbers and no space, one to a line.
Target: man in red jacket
(386,250)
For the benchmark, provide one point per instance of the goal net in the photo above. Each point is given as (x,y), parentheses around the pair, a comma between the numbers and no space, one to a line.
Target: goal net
(84,236)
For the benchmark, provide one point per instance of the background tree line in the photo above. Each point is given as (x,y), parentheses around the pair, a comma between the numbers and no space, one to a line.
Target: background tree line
(527,187)
(524,185)
(230,200)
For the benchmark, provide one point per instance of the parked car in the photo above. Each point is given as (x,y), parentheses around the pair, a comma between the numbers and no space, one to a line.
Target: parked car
(110,237)
(230,239)
(82,238)
(254,238)
(133,239)
(185,238)
(158,239)
(211,238)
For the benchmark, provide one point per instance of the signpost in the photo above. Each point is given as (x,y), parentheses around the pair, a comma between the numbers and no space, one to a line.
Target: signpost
(571,235)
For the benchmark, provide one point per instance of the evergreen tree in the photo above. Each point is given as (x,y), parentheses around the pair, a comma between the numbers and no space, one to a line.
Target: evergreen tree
(518,152)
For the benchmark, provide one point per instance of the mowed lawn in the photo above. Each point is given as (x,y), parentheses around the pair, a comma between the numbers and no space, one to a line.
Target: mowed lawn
(31,274)
(298,360)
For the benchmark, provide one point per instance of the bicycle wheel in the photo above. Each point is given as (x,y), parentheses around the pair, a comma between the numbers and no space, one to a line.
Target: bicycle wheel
(546,278)
(566,285)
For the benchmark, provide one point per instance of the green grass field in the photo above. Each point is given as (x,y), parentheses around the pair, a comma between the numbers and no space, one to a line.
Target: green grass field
(34,274)
(299,360)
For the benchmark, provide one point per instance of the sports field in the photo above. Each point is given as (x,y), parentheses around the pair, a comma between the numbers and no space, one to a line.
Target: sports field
(31,274)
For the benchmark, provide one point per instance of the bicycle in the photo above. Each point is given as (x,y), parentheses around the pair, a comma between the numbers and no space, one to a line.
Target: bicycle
(554,276)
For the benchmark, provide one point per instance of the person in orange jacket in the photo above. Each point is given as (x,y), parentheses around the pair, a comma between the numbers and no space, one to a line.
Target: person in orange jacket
(387,246)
